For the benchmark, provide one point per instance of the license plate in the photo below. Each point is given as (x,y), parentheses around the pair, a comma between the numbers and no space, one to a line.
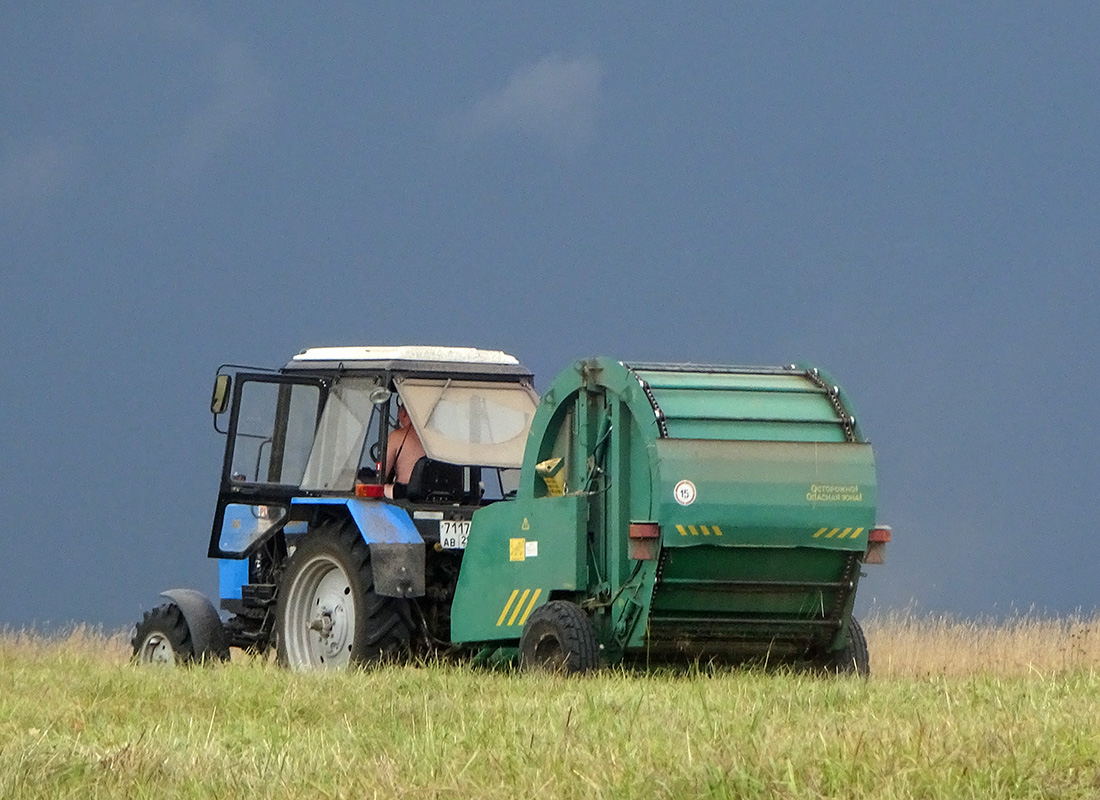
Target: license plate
(453,533)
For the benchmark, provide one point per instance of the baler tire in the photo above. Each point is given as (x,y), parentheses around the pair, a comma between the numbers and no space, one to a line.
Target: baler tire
(163,637)
(559,637)
(327,614)
(853,658)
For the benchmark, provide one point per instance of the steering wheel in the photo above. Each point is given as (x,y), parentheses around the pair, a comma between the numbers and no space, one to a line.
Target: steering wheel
(376,452)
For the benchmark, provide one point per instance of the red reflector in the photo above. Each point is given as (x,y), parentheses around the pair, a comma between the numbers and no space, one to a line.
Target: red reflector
(880,533)
(373,490)
(645,539)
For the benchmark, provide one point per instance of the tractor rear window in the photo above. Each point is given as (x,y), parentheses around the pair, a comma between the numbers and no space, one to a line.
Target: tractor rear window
(470,422)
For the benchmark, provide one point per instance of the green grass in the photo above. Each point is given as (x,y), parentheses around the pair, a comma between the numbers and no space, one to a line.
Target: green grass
(77,720)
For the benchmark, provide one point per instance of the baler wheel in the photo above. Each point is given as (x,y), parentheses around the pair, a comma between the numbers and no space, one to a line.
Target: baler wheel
(162,637)
(328,615)
(853,658)
(559,637)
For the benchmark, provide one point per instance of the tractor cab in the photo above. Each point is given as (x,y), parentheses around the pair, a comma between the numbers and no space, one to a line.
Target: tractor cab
(308,444)
(317,431)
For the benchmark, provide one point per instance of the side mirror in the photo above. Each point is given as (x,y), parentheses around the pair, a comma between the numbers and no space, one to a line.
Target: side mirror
(219,400)
(380,395)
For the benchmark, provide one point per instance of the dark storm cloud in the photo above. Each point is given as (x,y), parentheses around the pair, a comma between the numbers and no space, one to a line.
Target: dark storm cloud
(905,198)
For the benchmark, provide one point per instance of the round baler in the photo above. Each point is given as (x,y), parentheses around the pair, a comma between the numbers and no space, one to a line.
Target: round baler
(688,511)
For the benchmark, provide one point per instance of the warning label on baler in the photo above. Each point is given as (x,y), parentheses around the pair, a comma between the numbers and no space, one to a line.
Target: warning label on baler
(834,493)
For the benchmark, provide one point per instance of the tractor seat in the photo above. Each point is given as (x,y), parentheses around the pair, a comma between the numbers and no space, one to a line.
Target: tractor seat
(435,482)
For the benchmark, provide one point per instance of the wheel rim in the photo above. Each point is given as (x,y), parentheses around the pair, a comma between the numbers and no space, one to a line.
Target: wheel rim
(319,623)
(156,649)
(549,653)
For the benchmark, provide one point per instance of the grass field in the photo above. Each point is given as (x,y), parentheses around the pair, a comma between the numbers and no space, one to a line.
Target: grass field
(953,710)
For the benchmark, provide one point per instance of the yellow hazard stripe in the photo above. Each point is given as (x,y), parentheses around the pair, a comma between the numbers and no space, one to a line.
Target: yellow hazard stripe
(507,605)
(519,606)
(846,533)
(707,530)
(531,605)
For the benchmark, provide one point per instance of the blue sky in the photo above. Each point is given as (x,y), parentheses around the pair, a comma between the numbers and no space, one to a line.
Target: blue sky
(904,197)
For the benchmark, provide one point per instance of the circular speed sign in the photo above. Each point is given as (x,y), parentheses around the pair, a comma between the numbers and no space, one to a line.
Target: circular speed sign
(684,493)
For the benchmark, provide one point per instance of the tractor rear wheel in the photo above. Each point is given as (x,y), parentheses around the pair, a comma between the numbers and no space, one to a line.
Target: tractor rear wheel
(853,658)
(328,615)
(162,637)
(559,637)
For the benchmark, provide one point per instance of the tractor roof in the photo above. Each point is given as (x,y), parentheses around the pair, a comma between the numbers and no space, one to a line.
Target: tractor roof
(410,358)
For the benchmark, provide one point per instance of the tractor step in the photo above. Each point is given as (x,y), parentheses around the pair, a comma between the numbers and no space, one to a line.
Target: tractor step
(258,595)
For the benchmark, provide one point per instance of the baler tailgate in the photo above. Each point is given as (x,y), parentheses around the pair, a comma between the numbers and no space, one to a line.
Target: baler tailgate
(767,494)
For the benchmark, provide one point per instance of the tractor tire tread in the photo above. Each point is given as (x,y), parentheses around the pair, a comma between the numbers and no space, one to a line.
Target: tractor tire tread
(168,619)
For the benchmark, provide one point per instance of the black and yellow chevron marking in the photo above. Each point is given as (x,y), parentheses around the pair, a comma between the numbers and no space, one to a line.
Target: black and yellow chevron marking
(696,530)
(839,533)
(516,606)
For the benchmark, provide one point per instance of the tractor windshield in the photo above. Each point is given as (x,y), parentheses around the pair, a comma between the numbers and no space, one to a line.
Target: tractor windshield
(470,422)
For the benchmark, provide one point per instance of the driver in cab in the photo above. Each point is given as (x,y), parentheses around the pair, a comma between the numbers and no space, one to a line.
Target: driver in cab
(402,452)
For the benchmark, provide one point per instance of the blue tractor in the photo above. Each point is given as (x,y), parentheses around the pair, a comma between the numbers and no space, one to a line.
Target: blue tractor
(310,562)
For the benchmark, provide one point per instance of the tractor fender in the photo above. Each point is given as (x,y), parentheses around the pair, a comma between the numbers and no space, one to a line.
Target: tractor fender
(208,634)
(396,547)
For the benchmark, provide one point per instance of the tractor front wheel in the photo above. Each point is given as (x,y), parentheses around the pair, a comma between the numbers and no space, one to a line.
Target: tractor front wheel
(328,615)
(559,637)
(162,637)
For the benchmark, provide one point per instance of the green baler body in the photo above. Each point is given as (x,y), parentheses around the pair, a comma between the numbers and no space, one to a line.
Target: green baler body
(758,480)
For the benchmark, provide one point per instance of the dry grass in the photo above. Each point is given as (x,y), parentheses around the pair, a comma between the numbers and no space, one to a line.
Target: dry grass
(902,645)
(908,646)
(81,642)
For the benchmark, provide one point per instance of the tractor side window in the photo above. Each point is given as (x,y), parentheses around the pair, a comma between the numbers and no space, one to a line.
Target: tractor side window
(499,484)
(372,448)
(275,424)
(244,524)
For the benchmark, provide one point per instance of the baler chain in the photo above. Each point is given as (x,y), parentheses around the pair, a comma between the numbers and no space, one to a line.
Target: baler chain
(847,421)
(660,573)
(848,581)
(657,412)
